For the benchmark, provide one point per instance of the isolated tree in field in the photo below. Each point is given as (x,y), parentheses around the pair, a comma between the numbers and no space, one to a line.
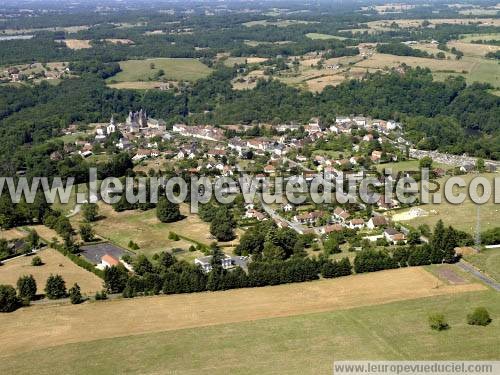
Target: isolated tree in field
(55,287)
(90,212)
(479,317)
(36,261)
(167,211)
(438,322)
(75,294)
(86,232)
(9,301)
(221,229)
(26,286)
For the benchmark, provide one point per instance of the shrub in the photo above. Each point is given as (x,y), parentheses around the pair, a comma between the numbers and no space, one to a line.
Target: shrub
(99,296)
(132,245)
(438,322)
(479,317)
(9,301)
(173,236)
(36,261)
(75,294)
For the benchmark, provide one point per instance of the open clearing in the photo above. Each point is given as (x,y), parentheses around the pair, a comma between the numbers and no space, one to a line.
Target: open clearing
(12,234)
(460,216)
(182,69)
(148,85)
(40,326)
(279,23)
(316,36)
(54,263)
(77,43)
(147,231)
(488,261)
(410,23)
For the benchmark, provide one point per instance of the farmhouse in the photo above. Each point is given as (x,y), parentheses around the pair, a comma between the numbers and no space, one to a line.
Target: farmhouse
(109,261)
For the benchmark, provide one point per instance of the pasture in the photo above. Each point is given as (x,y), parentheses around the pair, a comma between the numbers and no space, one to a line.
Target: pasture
(53,263)
(260,334)
(77,44)
(182,69)
(460,216)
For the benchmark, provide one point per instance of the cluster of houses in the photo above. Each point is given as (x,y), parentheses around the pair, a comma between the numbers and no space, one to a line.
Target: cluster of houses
(31,72)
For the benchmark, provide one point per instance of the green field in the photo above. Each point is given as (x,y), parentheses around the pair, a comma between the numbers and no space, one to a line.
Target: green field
(461,216)
(316,36)
(304,344)
(406,166)
(175,69)
(471,37)
(487,261)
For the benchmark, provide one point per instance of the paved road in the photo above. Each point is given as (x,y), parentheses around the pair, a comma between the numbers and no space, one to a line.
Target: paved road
(478,274)
(275,216)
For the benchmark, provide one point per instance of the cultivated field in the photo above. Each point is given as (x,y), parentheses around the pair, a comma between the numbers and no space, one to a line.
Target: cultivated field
(54,263)
(303,344)
(77,43)
(147,85)
(409,23)
(147,231)
(175,69)
(319,36)
(462,216)
(31,329)
(279,23)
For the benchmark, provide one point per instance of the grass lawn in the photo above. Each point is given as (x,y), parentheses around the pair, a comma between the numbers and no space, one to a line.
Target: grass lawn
(316,36)
(302,344)
(461,216)
(184,69)
(487,260)
(147,231)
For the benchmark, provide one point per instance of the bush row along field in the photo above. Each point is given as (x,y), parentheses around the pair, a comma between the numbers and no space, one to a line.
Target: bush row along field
(300,344)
